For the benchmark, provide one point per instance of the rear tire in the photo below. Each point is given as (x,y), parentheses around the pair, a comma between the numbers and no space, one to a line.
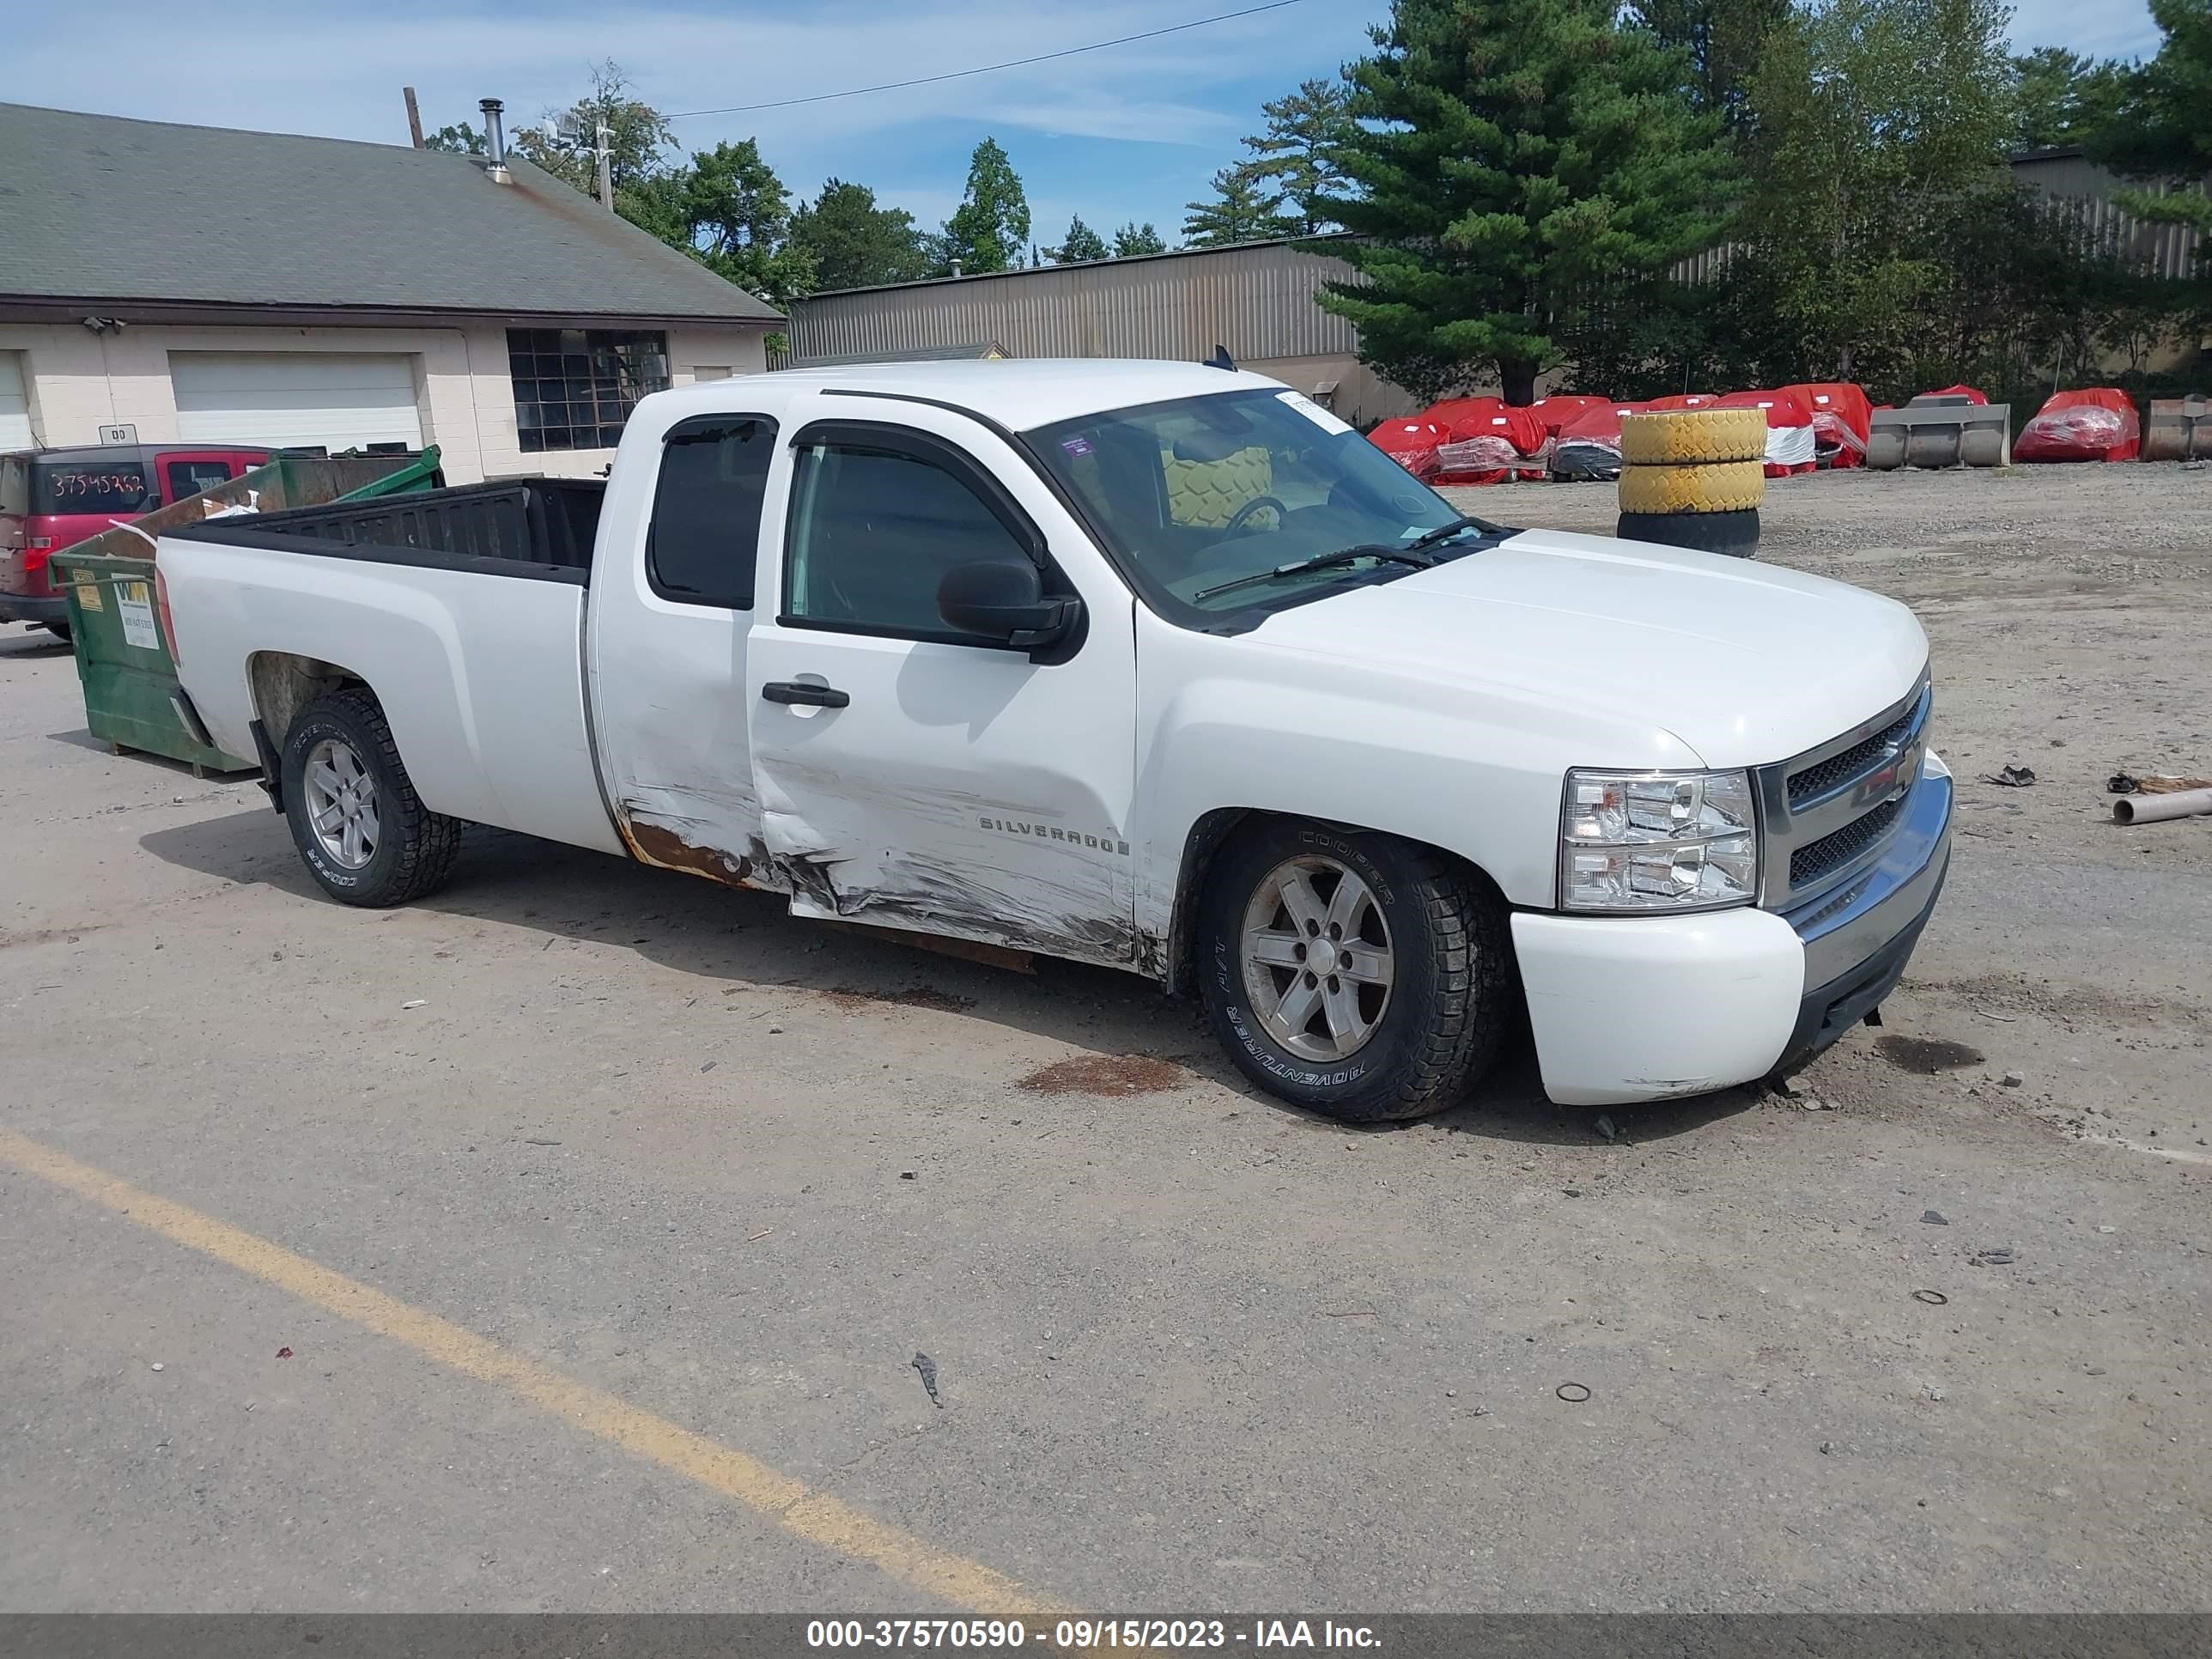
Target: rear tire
(361,830)
(1368,906)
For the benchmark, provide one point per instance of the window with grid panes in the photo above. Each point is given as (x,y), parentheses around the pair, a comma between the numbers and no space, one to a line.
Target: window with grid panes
(573,387)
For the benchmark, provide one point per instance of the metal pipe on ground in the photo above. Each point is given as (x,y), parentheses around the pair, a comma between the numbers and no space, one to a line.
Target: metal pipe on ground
(2151,809)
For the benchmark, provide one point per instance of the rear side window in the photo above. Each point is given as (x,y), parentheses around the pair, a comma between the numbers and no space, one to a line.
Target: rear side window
(705,539)
(89,487)
(189,478)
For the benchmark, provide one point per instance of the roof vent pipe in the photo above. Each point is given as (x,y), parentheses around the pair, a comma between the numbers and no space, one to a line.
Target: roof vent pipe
(494,139)
(955,267)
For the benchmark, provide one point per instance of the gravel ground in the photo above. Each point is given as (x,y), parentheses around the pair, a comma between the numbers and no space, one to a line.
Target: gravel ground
(1196,1351)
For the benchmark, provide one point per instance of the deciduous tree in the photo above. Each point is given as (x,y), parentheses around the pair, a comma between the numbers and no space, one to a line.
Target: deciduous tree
(990,228)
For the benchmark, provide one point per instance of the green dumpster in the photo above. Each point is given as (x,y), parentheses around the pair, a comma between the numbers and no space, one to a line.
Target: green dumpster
(131,696)
(131,691)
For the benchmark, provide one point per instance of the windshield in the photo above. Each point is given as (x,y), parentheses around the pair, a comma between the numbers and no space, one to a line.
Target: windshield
(1196,492)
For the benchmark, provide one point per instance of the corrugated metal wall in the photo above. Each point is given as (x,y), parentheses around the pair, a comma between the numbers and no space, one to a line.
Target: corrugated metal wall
(2155,250)
(1256,300)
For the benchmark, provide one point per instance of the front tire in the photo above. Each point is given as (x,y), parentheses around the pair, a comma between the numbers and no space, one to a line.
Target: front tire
(361,830)
(1357,976)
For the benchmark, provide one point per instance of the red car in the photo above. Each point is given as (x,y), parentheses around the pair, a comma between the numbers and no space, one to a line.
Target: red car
(52,498)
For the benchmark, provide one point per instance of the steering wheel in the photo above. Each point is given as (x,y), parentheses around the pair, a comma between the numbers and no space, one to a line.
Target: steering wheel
(1236,519)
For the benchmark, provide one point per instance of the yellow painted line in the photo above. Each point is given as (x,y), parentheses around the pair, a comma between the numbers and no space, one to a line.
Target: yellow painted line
(795,1507)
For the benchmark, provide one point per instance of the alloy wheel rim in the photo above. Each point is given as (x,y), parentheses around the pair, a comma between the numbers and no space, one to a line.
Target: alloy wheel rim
(1318,961)
(341,803)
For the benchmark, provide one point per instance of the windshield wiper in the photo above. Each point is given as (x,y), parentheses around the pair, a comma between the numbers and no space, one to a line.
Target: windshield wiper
(1343,555)
(1445,532)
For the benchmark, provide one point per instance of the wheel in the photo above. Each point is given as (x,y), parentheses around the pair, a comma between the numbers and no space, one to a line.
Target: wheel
(1735,534)
(361,830)
(1357,976)
(60,630)
(1703,437)
(1723,487)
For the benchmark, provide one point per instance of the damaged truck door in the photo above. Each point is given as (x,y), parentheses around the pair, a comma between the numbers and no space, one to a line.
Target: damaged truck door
(942,695)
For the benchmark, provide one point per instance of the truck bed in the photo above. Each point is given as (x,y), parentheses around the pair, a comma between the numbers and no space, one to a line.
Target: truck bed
(462,610)
(541,527)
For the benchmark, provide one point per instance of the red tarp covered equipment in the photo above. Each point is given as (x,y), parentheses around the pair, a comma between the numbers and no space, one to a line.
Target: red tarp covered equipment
(1412,443)
(1560,412)
(1842,418)
(2099,424)
(1789,444)
(1682,400)
(1589,445)
(1486,438)
(1965,392)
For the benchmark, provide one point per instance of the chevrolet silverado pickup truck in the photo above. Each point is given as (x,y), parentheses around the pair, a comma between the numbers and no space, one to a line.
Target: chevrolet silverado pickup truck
(1148,664)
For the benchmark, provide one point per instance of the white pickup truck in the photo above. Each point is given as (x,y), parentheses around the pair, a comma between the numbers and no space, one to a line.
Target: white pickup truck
(1155,666)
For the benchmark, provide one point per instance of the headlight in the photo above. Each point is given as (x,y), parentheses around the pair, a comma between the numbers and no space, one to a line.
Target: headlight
(1657,841)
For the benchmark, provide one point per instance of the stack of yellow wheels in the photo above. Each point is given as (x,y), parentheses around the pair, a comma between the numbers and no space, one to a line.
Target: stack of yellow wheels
(1694,478)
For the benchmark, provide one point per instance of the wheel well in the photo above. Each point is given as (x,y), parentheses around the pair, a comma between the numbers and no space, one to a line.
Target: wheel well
(284,682)
(1204,844)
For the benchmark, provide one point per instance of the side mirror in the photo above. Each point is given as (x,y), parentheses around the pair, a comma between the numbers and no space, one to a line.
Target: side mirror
(1004,599)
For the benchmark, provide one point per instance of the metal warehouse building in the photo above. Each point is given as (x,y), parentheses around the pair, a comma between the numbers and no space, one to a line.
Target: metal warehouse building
(1257,299)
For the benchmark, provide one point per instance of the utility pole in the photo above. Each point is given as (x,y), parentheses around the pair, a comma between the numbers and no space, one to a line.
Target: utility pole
(606,149)
(414,118)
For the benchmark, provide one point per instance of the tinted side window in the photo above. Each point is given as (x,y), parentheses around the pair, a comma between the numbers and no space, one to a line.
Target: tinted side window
(705,539)
(874,533)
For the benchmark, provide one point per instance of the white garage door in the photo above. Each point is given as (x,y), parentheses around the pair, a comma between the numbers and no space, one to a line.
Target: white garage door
(341,401)
(14,403)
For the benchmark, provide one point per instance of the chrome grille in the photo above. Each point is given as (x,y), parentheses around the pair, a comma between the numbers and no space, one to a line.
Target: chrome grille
(1823,775)
(1825,815)
(1831,852)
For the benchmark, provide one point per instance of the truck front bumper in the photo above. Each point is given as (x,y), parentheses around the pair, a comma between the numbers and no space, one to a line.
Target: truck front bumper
(1632,1008)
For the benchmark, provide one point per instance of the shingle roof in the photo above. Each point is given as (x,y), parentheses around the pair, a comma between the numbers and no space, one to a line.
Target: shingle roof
(100,207)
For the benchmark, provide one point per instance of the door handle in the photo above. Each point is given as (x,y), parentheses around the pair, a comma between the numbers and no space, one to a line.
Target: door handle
(817,697)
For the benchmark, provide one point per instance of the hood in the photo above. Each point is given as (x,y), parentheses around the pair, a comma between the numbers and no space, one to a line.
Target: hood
(1744,663)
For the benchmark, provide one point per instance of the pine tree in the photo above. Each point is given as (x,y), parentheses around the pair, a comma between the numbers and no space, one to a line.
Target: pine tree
(1724,41)
(1529,150)
(2163,134)
(1080,245)
(2064,98)
(856,244)
(1134,238)
(990,228)
(1245,209)
(1297,152)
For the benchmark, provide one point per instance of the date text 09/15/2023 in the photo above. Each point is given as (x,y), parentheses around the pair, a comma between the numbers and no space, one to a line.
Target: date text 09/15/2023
(1087,1635)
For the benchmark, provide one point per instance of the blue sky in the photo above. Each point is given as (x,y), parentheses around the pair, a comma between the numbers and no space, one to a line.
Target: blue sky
(1127,134)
